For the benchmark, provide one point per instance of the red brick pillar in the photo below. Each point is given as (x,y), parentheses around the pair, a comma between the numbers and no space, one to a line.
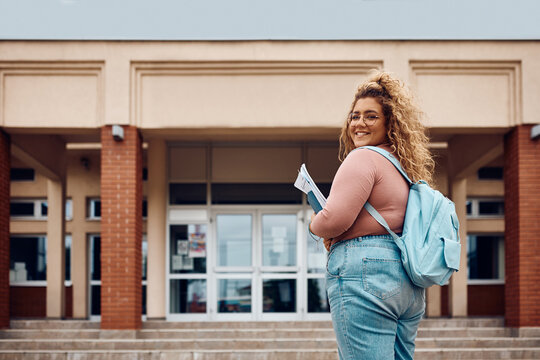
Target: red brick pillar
(4,228)
(121,230)
(522,227)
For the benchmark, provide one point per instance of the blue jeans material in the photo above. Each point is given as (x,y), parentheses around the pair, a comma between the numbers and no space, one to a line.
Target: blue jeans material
(375,308)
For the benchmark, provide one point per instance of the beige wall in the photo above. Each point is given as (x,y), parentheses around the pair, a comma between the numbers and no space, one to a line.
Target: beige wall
(180,85)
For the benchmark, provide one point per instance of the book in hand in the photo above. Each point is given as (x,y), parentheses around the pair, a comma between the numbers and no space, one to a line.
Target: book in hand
(305,183)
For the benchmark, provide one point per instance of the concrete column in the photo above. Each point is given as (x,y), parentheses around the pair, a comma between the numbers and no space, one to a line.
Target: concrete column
(457,290)
(522,228)
(156,228)
(56,248)
(121,230)
(79,271)
(5,161)
(433,301)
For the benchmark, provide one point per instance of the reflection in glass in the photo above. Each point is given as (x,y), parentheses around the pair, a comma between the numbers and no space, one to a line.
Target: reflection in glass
(234,240)
(234,295)
(188,296)
(279,240)
(317,300)
(279,295)
(187,249)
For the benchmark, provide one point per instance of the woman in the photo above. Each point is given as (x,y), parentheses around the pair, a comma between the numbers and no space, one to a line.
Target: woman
(375,308)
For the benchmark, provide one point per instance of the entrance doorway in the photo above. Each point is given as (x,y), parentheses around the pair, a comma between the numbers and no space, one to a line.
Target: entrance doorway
(245,263)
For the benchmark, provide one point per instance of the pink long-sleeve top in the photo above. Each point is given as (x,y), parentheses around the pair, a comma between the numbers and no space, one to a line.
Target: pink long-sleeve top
(363,176)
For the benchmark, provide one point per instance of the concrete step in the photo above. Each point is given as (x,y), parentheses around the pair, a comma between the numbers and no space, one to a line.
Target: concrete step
(161,324)
(252,333)
(244,344)
(54,324)
(298,354)
(465,353)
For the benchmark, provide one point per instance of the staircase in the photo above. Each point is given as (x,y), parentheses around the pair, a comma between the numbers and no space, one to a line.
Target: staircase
(467,338)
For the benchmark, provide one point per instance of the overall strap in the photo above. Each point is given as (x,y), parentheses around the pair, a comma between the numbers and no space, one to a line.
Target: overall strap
(390,158)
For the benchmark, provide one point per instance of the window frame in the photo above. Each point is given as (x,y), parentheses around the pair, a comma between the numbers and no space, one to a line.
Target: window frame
(475,206)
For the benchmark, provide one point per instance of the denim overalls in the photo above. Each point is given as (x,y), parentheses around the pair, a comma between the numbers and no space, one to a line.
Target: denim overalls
(375,308)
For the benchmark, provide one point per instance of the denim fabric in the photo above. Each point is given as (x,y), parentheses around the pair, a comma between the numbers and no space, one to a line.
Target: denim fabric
(375,307)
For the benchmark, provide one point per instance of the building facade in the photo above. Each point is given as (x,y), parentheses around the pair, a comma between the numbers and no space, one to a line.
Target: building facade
(153,180)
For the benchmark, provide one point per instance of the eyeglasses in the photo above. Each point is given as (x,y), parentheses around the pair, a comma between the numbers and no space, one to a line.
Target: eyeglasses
(368,119)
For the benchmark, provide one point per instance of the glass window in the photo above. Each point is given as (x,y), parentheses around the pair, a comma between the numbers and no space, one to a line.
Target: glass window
(27,258)
(485,255)
(490,173)
(187,194)
(69,209)
(144,299)
(234,295)
(187,296)
(234,239)
(145,208)
(317,300)
(22,174)
(279,295)
(36,209)
(145,174)
(94,208)
(144,256)
(491,207)
(43,209)
(68,257)
(187,249)
(95,308)
(95,258)
(255,194)
(22,208)
(481,207)
(469,207)
(279,239)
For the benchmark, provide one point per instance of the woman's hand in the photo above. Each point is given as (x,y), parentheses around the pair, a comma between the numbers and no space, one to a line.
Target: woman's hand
(327,242)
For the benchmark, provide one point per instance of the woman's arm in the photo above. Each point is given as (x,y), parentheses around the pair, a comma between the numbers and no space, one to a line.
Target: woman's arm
(350,190)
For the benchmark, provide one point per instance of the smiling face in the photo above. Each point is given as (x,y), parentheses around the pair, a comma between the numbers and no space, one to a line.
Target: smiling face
(367,111)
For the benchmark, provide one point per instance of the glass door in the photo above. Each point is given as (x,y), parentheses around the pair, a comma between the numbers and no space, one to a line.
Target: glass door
(235,265)
(279,270)
(187,272)
(256,270)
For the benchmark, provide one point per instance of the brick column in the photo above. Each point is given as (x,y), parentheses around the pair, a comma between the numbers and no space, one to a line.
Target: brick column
(5,166)
(121,230)
(522,228)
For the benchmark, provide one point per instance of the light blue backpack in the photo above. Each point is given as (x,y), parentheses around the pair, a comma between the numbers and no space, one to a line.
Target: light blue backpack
(429,244)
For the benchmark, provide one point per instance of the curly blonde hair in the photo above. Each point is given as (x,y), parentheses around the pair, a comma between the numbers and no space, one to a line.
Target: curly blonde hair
(405,131)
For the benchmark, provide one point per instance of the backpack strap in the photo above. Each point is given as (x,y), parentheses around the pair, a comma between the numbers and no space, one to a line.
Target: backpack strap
(390,158)
(370,209)
(380,219)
